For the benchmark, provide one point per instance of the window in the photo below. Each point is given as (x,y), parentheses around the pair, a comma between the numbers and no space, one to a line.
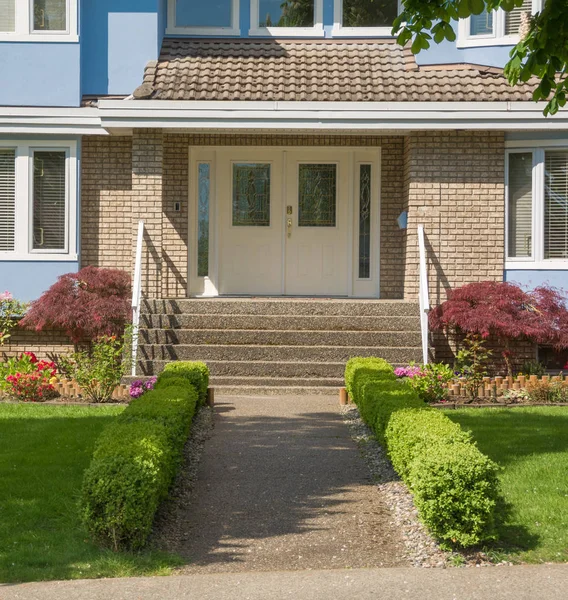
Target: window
(286,17)
(495,28)
(537,208)
(38,20)
(251,194)
(317,191)
(365,221)
(217,17)
(362,18)
(38,201)
(203,202)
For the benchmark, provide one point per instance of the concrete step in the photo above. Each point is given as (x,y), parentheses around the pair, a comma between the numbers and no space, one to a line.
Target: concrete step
(234,381)
(248,390)
(247,368)
(282,306)
(240,337)
(169,352)
(282,322)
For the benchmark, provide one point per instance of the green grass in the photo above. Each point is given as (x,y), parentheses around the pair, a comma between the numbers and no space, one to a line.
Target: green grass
(531,444)
(43,453)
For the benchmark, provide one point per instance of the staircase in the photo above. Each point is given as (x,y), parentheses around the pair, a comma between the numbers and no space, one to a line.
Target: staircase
(275,346)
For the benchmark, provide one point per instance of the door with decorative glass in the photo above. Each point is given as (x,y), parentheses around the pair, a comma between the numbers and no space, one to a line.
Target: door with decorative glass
(249,195)
(317,238)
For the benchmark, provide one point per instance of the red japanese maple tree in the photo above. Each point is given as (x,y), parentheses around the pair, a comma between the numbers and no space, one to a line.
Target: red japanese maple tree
(507,312)
(86,305)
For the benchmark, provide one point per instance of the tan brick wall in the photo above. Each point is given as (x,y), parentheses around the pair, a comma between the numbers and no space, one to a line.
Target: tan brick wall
(455,187)
(106,210)
(41,344)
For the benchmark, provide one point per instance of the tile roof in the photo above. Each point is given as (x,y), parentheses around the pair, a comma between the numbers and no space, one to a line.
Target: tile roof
(345,71)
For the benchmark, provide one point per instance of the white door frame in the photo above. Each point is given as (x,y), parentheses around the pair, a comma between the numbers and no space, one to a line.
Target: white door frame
(356,287)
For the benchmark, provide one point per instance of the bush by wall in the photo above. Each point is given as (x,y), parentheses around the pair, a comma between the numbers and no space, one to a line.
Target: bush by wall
(196,373)
(454,485)
(135,461)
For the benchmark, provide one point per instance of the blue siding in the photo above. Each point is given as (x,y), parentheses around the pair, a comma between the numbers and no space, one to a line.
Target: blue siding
(532,279)
(118,38)
(27,280)
(40,74)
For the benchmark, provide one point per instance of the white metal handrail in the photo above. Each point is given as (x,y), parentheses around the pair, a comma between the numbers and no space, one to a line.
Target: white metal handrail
(137,295)
(423,294)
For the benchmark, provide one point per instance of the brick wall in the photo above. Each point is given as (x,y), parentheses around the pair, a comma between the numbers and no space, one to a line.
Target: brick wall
(454,184)
(41,344)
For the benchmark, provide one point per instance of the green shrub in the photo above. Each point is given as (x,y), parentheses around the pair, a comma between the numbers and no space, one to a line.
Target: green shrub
(360,370)
(197,373)
(454,485)
(135,461)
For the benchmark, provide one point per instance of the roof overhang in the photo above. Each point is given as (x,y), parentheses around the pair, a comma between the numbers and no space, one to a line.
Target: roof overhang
(50,121)
(323,116)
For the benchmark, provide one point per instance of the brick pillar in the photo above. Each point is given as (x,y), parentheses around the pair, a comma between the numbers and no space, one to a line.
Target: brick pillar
(455,187)
(147,170)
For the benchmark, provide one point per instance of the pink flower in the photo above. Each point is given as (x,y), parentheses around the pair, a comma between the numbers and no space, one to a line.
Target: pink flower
(6,296)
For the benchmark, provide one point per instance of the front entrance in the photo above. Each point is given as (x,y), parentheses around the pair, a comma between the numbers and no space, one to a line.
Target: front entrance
(295,222)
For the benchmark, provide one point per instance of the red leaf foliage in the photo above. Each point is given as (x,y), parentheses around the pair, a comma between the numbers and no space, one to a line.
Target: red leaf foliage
(506,311)
(86,305)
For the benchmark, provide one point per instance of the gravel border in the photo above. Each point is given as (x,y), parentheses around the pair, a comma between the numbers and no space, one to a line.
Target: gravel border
(422,550)
(166,532)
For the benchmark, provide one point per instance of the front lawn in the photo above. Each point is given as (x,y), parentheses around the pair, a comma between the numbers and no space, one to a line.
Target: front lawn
(531,444)
(43,453)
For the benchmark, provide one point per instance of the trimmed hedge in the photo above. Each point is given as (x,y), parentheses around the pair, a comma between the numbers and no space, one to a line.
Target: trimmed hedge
(454,485)
(136,459)
(197,373)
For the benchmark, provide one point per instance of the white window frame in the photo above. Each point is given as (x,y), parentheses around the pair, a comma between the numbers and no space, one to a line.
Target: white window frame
(24,31)
(23,249)
(340,31)
(315,31)
(537,261)
(173,29)
(497,38)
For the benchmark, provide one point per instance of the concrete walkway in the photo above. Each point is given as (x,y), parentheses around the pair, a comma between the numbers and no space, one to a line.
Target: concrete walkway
(281,486)
(490,583)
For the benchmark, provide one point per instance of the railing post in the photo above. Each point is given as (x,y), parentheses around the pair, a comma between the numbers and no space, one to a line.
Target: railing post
(423,294)
(137,295)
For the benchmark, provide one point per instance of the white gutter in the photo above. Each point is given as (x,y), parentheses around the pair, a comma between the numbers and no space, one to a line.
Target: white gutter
(50,121)
(363,116)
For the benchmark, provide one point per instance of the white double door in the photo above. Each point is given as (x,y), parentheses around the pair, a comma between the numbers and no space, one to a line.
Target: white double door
(285,222)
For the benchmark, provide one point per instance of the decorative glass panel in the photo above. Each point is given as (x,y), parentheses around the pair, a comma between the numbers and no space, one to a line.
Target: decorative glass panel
(251,194)
(203,196)
(213,13)
(317,195)
(50,15)
(7,200)
(286,13)
(556,205)
(7,15)
(364,221)
(481,24)
(362,13)
(49,200)
(520,205)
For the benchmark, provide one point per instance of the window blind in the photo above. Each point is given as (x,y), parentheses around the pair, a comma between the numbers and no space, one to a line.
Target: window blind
(50,15)
(513,17)
(7,15)
(520,205)
(49,200)
(556,205)
(7,200)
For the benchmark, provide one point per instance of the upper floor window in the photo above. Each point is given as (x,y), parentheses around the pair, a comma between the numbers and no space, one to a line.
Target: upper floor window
(363,18)
(215,17)
(38,20)
(496,28)
(286,17)
(537,208)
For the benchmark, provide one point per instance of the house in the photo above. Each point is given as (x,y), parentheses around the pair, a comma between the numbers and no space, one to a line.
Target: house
(275,149)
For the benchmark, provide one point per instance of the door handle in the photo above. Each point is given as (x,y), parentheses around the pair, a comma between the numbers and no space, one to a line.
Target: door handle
(289,225)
